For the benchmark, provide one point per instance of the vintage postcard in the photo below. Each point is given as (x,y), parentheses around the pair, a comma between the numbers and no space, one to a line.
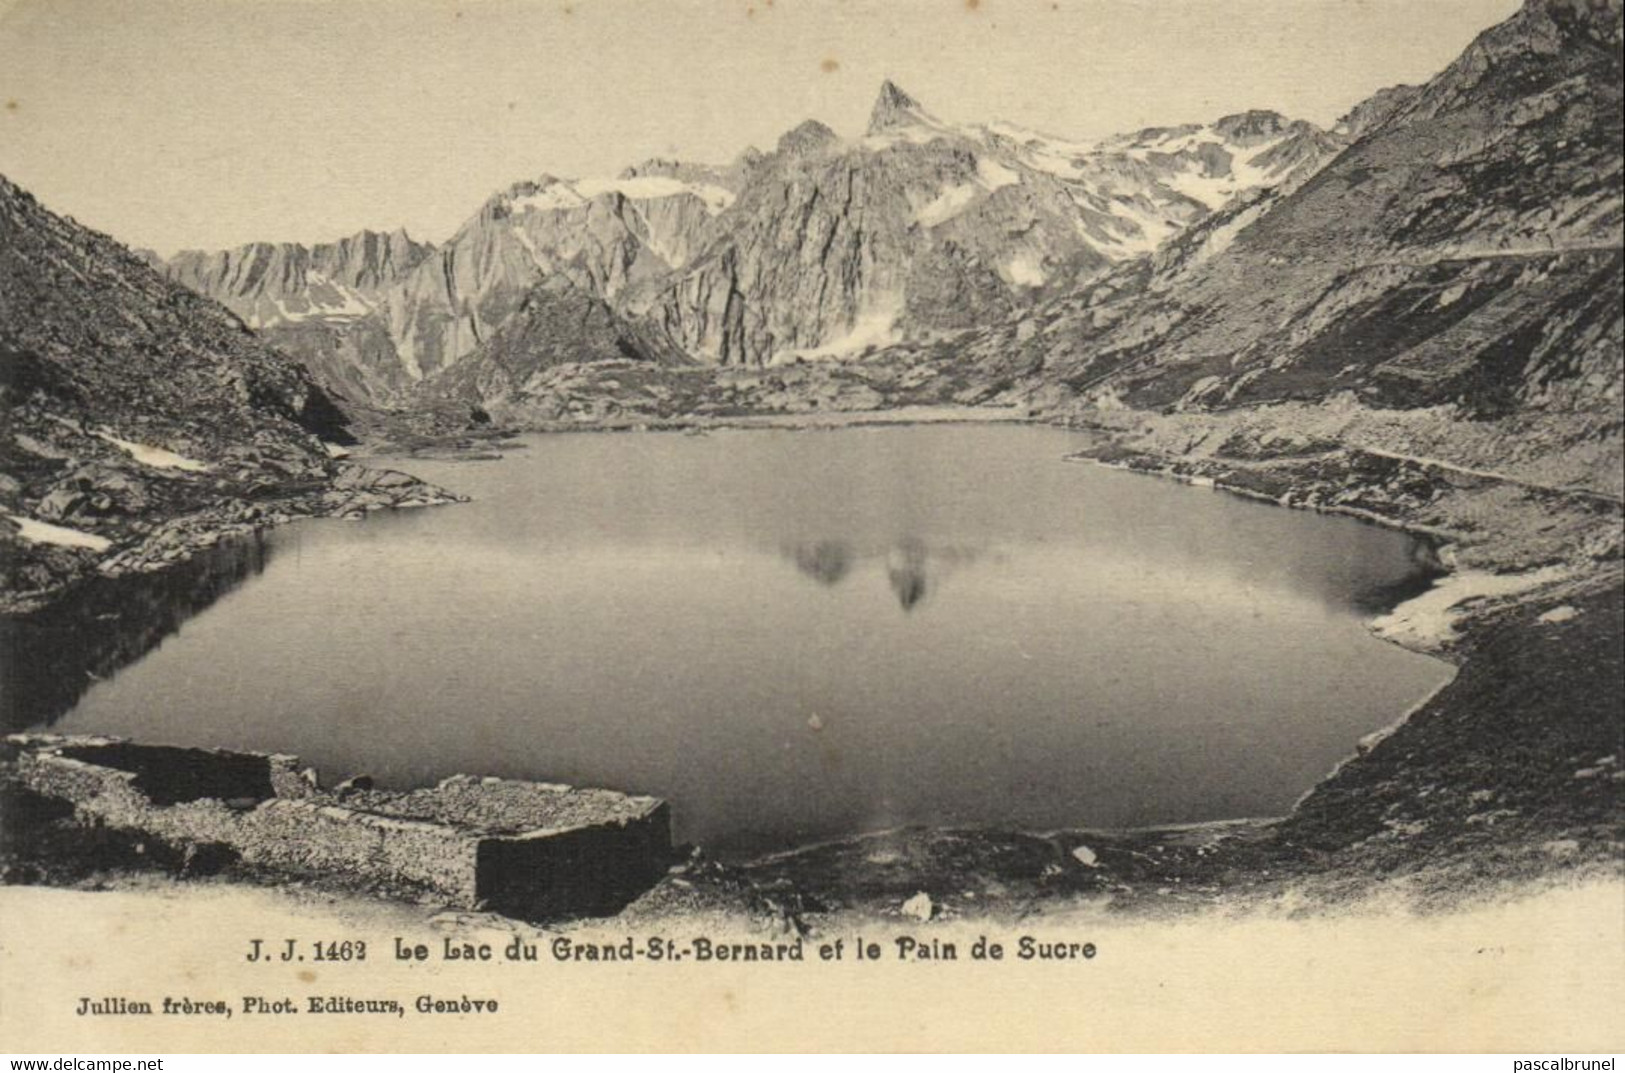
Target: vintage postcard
(811,525)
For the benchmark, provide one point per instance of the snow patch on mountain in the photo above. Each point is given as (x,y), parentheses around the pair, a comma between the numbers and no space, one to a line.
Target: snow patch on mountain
(945,206)
(1199,183)
(1038,151)
(1025,269)
(1130,230)
(876,327)
(994,175)
(562,196)
(154,456)
(37,532)
(957,197)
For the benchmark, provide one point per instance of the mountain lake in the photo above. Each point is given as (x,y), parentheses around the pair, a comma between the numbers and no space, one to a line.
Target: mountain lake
(791,635)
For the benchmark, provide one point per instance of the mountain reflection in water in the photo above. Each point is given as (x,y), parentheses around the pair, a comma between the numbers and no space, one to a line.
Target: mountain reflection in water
(827,561)
(913,568)
(51,657)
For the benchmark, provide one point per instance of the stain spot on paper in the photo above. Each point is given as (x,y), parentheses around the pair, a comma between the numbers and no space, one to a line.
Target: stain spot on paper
(830,65)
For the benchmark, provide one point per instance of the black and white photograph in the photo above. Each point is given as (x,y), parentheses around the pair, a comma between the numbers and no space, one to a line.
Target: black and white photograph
(812,525)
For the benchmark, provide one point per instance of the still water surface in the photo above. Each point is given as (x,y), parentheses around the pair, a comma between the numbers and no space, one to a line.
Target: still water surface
(793,635)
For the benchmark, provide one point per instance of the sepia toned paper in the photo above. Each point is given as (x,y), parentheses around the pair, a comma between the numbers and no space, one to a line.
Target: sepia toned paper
(1446,879)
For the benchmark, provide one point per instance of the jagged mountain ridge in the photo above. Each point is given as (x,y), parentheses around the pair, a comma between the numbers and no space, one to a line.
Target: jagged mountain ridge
(921,227)
(376,314)
(834,243)
(317,302)
(605,236)
(823,247)
(269,283)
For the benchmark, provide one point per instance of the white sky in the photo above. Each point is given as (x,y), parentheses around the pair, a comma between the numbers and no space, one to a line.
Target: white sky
(207,123)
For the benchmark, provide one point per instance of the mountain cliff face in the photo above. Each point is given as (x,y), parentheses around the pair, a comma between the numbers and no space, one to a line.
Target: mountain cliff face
(921,227)
(1464,252)
(318,302)
(825,247)
(141,419)
(606,237)
(377,314)
(265,283)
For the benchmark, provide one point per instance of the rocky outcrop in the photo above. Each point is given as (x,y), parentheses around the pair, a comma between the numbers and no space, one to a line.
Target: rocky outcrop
(596,238)
(894,109)
(557,323)
(1374,111)
(286,282)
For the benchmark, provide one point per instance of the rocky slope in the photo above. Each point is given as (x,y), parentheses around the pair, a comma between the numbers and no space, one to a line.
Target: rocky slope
(142,420)
(1457,268)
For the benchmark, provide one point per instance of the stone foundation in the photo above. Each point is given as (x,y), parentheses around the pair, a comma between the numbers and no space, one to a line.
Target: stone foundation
(523,848)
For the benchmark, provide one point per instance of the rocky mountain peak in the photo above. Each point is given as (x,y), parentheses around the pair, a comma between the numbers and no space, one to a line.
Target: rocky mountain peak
(1548,27)
(1556,48)
(1257,125)
(525,188)
(1597,20)
(809,137)
(661,166)
(895,108)
(918,226)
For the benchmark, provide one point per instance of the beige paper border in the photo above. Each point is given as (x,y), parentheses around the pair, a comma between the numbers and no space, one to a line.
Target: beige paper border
(1542,973)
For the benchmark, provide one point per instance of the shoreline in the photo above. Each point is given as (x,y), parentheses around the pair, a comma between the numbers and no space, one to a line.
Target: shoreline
(1090,860)
(178,539)
(489,445)
(1469,620)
